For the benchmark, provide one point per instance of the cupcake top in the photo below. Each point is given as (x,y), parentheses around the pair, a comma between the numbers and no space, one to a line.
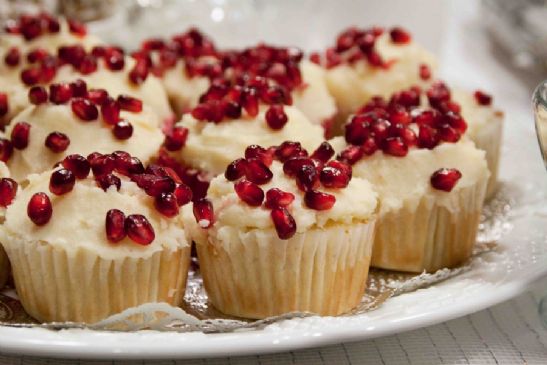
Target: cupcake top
(104,212)
(285,189)
(478,110)
(69,119)
(232,116)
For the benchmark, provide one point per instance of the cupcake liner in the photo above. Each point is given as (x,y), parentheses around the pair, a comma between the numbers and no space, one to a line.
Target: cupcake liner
(57,286)
(490,142)
(429,236)
(4,268)
(255,274)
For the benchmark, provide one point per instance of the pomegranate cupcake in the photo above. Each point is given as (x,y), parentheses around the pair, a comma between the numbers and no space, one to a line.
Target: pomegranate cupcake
(84,247)
(485,125)
(67,119)
(430,179)
(285,232)
(370,62)
(230,117)
(8,189)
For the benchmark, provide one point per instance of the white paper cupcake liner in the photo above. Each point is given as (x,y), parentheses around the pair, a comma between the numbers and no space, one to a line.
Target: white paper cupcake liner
(55,286)
(258,275)
(431,236)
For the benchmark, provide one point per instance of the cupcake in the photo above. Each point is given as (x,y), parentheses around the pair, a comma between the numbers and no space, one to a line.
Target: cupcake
(68,119)
(8,189)
(284,233)
(84,247)
(430,179)
(370,62)
(485,124)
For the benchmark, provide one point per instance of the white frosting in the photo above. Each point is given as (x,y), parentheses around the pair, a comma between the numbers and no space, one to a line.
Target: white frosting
(85,137)
(314,100)
(78,219)
(211,147)
(481,119)
(353,85)
(355,203)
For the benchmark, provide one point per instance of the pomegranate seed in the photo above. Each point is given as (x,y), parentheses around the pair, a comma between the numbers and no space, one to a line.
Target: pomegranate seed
(307,178)
(6,149)
(57,142)
(73,55)
(249,192)
(78,164)
(395,146)
(235,169)
(166,204)
(428,137)
(351,154)
(31,28)
(293,165)
(123,130)
(139,73)
(429,117)
(110,111)
(278,198)
(8,190)
(53,25)
(127,165)
(20,135)
(482,98)
(445,179)
(260,153)
(139,229)
(162,171)
(232,109)
(115,225)
(438,93)
(101,164)
(61,181)
(13,57)
(108,180)
(155,185)
(60,93)
(358,129)
(449,134)
(342,166)
(284,223)
(369,146)
(39,209)
(37,95)
(129,103)
(324,152)
(37,55)
(399,35)
(374,59)
(380,129)
(88,65)
(175,139)
(84,109)
(98,96)
(114,59)
(76,27)
(319,201)
(289,149)
(3,104)
(276,117)
(257,172)
(79,88)
(455,121)
(332,177)
(183,194)
(203,212)
(30,76)
(408,136)
(250,104)
(425,72)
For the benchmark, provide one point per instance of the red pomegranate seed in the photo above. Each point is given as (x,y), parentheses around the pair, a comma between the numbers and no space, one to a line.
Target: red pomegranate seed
(183,194)
(166,204)
(369,146)
(438,93)
(319,201)
(175,139)
(8,190)
(395,146)
(399,35)
(39,209)
(235,170)
(276,117)
(203,212)
(250,103)
(48,70)
(57,142)
(307,178)
(257,172)
(115,225)
(139,229)
(88,65)
(358,129)
(351,154)
(399,116)
(20,135)
(13,57)
(79,88)
(374,59)
(429,117)
(324,152)
(260,153)
(6,149)
(448,134)
(164,171)
(31,28)
(78,164)
(408,136)
(61,181)
(445,179)
(3,104)
(60,93)
(30,76)
(123,130)
(108,180)
(84,109)
(97,96)
(127,165)
(455,121)
(53,25)
(380,129)
(37,95)
(231,109)
(428,137)
(482,98)
(289,149)
(333,177)
(284,223)
(155,185)
(114,59)
(110,111)
(76,27)
(342,166)
(129,103)
(139,73)
(101,164)
(249,192)
(425,72)
(293,165)
(276,198)
(73,55)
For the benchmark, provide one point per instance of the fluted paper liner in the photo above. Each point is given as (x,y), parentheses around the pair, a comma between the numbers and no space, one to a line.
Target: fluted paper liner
(258,275)
(4,267)
(491,143)
(54,285)
(431,236)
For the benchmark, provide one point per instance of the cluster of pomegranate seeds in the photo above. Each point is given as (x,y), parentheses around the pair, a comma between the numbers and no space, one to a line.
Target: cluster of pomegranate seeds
(396,125)
(482,98)
(34,26)
(134,226)
(445,179)
(4,108)
(8,190)
(39,209)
